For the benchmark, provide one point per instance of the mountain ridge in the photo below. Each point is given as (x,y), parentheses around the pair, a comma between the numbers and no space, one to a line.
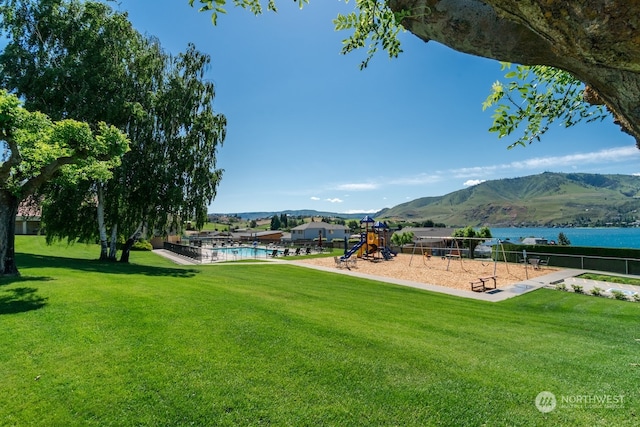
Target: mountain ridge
(292,212)
(546,199)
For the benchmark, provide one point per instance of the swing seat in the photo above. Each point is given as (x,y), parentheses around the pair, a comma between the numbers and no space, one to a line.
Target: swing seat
(453,254)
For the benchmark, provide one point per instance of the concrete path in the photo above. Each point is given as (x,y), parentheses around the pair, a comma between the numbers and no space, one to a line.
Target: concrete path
(567,276)
(178,259)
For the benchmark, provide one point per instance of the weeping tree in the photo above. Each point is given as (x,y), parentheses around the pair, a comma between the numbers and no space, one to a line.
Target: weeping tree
(73,59)
(34,149)
(170,174)
(163,102)
(70,59)
(72,201)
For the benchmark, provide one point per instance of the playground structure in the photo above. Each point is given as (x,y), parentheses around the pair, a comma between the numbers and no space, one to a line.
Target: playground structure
(373,242)
(449,251)
(452,250)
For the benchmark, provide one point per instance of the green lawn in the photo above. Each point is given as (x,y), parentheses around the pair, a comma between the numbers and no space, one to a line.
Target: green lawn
(152,343)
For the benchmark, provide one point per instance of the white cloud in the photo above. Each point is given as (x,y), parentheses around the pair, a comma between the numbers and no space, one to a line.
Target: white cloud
(477,174)
(419,179)
(472,182)
(361,211)
(475,171)
(610,155)
(618,154)
(315,198)
(363,186)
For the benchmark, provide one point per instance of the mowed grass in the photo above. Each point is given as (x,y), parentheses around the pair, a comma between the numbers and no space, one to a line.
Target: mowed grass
(153,343)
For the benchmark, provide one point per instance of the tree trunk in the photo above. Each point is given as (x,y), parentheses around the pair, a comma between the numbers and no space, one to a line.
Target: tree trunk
(113,245)
(473,244)
(102,229)
(126,249)
(8,212)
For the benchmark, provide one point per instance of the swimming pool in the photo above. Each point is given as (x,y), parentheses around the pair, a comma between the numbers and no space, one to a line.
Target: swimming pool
(235,253)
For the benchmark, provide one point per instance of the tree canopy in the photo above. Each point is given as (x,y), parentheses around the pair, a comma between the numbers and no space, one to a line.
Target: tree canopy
(163,102)
(594,41)
(34,149)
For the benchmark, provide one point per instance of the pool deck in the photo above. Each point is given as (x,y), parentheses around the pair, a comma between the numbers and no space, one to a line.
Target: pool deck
(567,276)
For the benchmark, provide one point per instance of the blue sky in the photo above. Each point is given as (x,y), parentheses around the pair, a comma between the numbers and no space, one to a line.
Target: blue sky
(308,130)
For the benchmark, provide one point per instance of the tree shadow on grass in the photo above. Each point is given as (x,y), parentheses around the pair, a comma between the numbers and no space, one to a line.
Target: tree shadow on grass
(22,299)
(26,261)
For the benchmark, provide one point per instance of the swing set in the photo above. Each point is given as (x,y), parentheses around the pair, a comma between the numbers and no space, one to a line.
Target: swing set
(452,250)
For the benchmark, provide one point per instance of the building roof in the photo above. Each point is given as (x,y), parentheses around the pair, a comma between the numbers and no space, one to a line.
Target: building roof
(28,210)
(317,225)
(266,233)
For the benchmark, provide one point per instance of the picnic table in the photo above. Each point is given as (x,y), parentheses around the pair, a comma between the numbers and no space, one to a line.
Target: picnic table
(480,285)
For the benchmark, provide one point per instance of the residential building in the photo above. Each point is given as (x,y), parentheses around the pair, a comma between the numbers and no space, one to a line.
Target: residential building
(319,230)
(27,219)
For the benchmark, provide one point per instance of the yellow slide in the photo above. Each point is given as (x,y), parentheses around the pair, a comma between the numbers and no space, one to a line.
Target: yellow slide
(371,246)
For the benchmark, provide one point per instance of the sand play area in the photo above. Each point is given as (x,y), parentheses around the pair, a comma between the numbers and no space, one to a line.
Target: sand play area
(434,270)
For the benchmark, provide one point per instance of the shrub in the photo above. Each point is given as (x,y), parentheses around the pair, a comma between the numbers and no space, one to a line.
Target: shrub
(561,287)
(596,291)
(142,245)
(619,295)
(636,297)
(579,289)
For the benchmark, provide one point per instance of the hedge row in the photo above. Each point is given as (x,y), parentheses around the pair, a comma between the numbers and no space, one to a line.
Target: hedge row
(617,260)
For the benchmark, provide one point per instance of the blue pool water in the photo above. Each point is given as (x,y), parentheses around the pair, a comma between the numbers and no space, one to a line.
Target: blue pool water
(235,253)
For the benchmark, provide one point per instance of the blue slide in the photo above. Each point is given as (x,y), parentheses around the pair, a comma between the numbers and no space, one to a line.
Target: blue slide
(387,253)
(353,250)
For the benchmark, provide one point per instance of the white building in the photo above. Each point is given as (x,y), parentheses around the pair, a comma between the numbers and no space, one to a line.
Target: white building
(534,241)
(315,230)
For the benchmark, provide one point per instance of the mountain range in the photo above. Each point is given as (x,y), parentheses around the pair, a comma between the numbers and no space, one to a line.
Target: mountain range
(547,199)
(305,213)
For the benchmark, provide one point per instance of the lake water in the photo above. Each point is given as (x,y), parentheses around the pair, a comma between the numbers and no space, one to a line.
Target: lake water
(599,237)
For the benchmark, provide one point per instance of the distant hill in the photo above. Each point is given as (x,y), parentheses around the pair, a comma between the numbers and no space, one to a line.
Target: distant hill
(546,199)
(302,212)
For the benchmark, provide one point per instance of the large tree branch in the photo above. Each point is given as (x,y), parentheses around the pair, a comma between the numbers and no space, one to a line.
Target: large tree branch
(474,27)
(13,160)
(595,40)
(603,32)
(46,172)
